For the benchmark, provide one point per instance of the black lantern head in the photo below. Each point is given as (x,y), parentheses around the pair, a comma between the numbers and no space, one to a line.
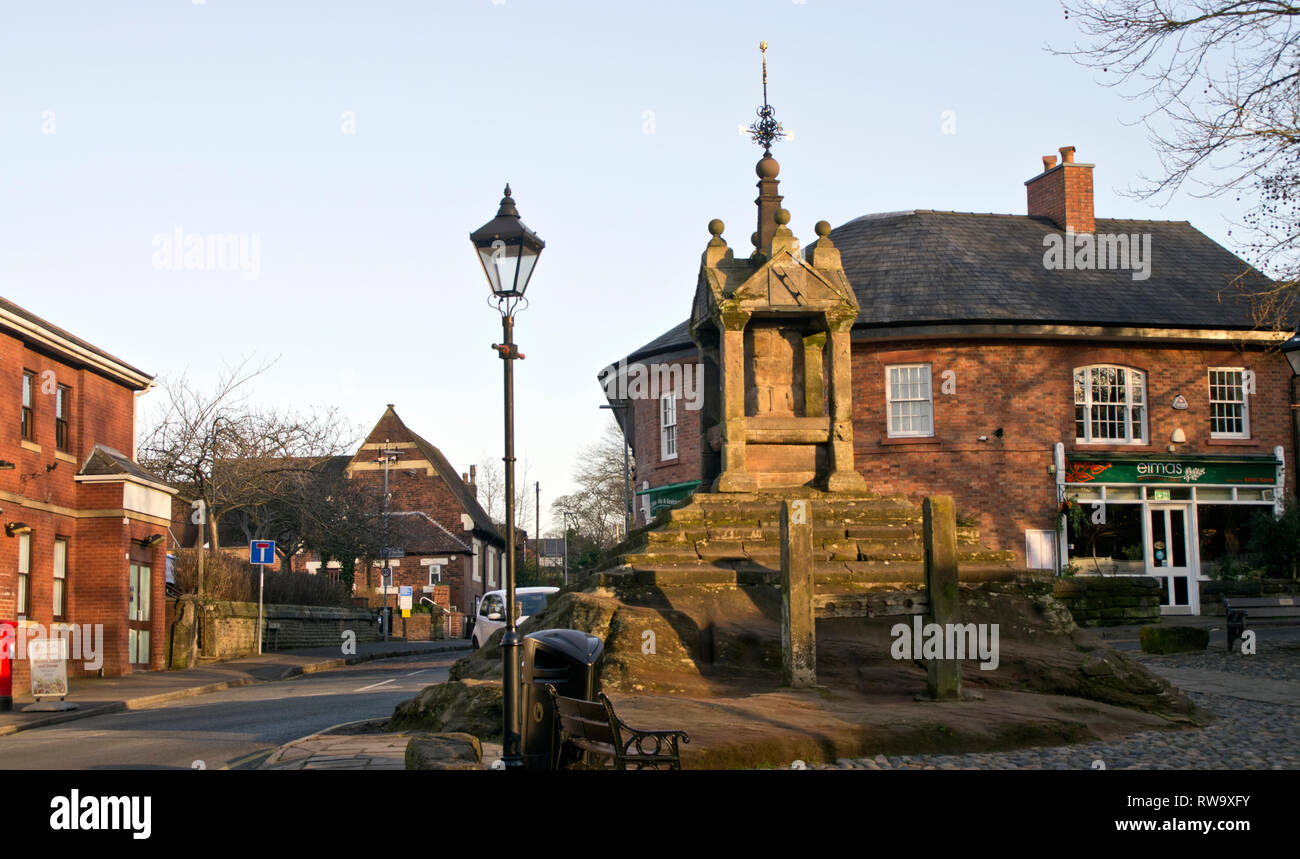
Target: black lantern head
(1291,349)
(508,251)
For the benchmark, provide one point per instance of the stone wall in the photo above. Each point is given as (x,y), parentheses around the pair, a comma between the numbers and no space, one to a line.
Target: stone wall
(1110,600)
(1212,593)
(230,628)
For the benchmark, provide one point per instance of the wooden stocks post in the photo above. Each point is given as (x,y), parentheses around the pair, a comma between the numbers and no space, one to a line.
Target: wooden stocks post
(939,533)
(798,626)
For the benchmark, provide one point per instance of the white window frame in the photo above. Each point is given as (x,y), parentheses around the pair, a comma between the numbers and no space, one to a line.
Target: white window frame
(1244,402)
(476,566)
(890,400)
(1140,386)
(668,427)
(59,593)
(24,595)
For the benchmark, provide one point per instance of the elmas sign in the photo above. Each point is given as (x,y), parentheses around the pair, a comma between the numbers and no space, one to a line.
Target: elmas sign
(1258,471)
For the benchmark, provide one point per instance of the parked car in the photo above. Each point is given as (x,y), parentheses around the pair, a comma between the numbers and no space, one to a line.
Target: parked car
(492,610)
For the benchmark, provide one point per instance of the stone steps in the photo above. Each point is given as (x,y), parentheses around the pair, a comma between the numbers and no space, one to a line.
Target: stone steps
(863,539)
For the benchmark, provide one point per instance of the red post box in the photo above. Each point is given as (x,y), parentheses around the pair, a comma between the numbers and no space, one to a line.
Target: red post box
(8,653)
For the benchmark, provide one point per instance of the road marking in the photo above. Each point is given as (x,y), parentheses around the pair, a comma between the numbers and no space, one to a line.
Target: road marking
(413,673)
(374,685)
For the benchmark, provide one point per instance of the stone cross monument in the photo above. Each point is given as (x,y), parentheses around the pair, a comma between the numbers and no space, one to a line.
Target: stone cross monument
(773,332)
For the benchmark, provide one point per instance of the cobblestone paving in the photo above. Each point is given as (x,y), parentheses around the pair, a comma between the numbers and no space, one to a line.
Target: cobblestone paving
(1247,735)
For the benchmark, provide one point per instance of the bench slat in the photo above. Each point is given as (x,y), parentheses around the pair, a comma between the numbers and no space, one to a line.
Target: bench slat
(1261,602)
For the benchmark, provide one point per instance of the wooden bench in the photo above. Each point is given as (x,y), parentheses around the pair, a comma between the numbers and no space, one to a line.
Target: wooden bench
(1238,609)
(593,727)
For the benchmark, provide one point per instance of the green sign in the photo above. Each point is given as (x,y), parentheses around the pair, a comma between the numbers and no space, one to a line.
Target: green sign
(1201,470)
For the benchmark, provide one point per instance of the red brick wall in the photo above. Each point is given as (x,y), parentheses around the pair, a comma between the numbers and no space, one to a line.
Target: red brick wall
(650,465)
(54,505)
(1026,387)
(1064,195)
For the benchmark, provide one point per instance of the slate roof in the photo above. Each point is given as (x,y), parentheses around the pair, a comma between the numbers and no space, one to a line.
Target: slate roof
(926,267)
(482,521)
(941,267)
(418,532)
(104,460)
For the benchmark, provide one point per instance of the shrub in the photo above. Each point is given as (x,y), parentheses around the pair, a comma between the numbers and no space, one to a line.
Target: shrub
(229,578)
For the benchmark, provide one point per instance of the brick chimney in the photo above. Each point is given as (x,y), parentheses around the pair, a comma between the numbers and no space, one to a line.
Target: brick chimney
(1062,193)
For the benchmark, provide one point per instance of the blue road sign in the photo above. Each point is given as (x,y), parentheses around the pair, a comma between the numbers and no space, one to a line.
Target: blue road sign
(261,552)
(404,591)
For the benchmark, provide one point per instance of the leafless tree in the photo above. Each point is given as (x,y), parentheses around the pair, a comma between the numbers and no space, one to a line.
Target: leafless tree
(214,446)
(491,484)
(1220,80)
(597,504)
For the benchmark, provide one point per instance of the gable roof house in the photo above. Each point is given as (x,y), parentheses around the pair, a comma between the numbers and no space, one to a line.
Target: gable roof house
(438,533)
(1015,362)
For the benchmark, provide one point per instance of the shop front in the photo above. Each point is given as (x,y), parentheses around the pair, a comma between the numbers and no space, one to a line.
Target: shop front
(1181,519)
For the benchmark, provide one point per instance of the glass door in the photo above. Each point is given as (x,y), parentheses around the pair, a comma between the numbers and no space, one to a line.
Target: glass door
(1169,558)
(139,614)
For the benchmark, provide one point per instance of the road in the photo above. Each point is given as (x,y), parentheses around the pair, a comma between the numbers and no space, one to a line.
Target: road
(233,729)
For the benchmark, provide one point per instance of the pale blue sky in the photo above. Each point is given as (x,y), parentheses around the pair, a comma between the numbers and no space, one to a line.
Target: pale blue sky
(226,117)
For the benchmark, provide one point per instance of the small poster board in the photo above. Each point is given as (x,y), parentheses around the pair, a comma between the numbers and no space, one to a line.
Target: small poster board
(47,660)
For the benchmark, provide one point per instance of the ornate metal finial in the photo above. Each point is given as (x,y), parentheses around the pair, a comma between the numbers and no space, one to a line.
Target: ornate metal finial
(766,130)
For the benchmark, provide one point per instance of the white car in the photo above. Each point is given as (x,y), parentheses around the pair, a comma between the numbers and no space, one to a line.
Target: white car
(492,610)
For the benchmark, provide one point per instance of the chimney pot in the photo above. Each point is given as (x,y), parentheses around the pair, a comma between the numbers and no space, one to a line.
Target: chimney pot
(1063,194)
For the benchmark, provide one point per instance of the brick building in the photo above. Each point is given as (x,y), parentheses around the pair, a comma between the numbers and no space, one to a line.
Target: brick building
(438,531)
(84,524)
(1016,361)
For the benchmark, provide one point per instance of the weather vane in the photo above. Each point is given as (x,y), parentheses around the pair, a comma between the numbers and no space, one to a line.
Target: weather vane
(766,130)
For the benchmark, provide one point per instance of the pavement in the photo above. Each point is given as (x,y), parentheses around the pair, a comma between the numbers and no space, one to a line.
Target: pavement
(141,690)
(1238,689)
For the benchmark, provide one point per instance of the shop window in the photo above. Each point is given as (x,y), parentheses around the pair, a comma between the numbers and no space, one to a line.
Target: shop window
(668,426)
(1110,405)
(1224,535)
(1106,539)
(1229,411)
(909,403)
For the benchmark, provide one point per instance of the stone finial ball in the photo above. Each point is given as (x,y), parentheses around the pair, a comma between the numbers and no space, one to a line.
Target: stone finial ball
(822,229)
(753,239)
(782,217)
(767,167)
(716,227)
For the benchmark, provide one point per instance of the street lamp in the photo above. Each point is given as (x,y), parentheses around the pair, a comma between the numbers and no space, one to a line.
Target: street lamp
(509,251)
(1291,349)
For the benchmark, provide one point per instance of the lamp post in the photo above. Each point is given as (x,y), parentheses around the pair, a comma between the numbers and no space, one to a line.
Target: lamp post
(386,456)
(509,251)
(1291,349)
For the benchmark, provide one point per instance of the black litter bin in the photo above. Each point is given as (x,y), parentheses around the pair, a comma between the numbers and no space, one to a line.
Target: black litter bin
(565,659)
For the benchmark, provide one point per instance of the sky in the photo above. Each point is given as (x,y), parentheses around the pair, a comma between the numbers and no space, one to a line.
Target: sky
(355,145)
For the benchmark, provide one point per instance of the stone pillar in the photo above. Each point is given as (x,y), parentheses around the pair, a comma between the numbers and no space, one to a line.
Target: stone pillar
(798,624)
(939,534)
(842,475)
(735,476)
